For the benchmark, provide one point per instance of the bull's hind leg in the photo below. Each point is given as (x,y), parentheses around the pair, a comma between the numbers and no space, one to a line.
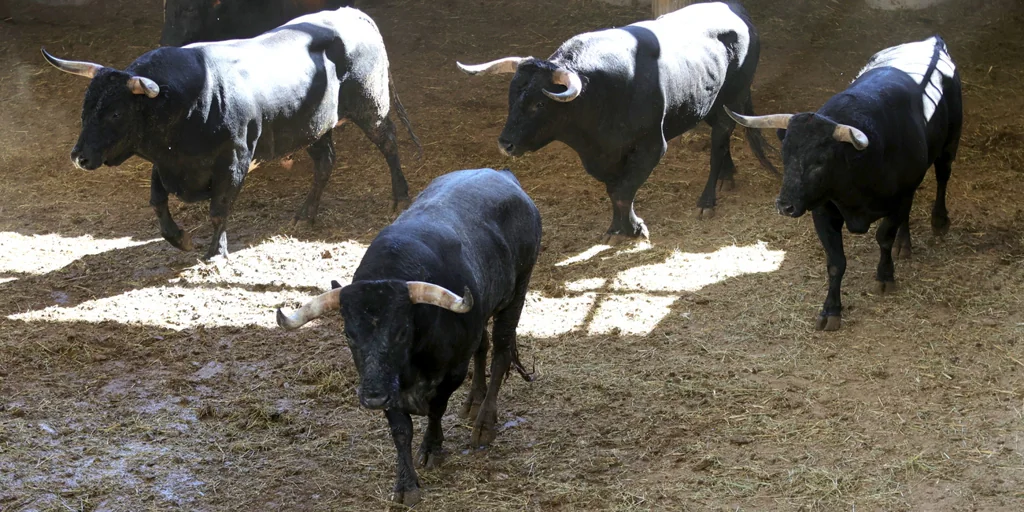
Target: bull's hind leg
(382,133)
(322,153)
(722,167)
(478,391)
(168,228)
(940,217)
(505,355)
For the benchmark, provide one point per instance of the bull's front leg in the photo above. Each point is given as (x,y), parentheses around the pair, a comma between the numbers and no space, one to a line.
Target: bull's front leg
(225,188)
(168,228)
(828,223)
(407,485)
(635,169)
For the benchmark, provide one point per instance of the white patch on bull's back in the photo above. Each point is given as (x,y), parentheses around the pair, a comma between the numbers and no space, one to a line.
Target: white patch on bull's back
(710,19)
(914,59)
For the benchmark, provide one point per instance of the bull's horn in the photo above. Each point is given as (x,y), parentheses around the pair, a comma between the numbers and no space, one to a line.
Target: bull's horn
(312,310)
(779,121)
(506,65)
(427,293)
(572,83)
(143,85)
(86,69)
(847,133)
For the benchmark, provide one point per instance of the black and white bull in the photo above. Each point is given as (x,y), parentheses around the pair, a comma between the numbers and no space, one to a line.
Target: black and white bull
(191,21)
(864,153)
(616,96)
(411,337)
(206,114)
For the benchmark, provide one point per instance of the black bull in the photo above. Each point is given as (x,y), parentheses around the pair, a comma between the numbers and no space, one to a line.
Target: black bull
(472,231)
(616,96)
(207,114)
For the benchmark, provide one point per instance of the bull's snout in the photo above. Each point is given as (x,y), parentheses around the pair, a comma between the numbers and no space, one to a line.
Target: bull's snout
(84,161)
(784,208)
(506,147)
(373,399)
(789,208)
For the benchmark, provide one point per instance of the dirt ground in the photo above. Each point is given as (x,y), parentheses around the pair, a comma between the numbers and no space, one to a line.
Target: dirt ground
(683,374)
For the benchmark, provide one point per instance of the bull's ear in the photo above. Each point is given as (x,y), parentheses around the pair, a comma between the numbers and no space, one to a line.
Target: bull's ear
(335,284)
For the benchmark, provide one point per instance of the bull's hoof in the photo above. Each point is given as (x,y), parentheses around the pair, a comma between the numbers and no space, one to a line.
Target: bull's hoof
(940,226)
(705,213)
(484,432)
(430,457)
(304,220)
(408,498)
(901,251)
(184,241)
(884,287)
(726,185)
(828,323)
(400,205)
(470,410)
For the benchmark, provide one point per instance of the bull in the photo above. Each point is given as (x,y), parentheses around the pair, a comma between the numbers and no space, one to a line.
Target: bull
(206,114)
(862,155)
(615,96)
(190,21)
(412,337)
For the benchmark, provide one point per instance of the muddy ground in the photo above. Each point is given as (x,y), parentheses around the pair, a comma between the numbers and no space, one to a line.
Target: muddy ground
(683,374)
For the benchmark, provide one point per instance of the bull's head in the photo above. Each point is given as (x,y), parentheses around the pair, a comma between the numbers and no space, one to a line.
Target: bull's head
(379,327)
(813,147)
(111,113)
(536,113)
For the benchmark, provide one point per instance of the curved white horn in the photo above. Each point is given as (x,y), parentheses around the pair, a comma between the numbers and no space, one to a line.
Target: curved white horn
(849,134)
(427,293)
(506,65)
(80,68)
(571,81)
(143,85)
(312,310)
(779,121)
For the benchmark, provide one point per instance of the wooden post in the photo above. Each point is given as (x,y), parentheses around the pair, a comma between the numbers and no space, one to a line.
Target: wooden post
(660,7)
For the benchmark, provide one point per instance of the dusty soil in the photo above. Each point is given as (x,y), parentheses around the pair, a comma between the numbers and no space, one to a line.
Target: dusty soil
(680,374)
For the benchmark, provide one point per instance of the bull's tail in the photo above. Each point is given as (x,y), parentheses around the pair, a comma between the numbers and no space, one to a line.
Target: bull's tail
(518,365)
(400,109)
(757,141)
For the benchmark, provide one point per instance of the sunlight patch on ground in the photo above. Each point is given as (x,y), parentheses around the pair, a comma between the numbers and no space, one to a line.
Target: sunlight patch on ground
(689,272)
(175,307)
(585,285)
(630,314)
(546,317)
(39,254)
(283,261)
(209,294)
(7,279)
(639,298)
(584,256)
(234,292)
